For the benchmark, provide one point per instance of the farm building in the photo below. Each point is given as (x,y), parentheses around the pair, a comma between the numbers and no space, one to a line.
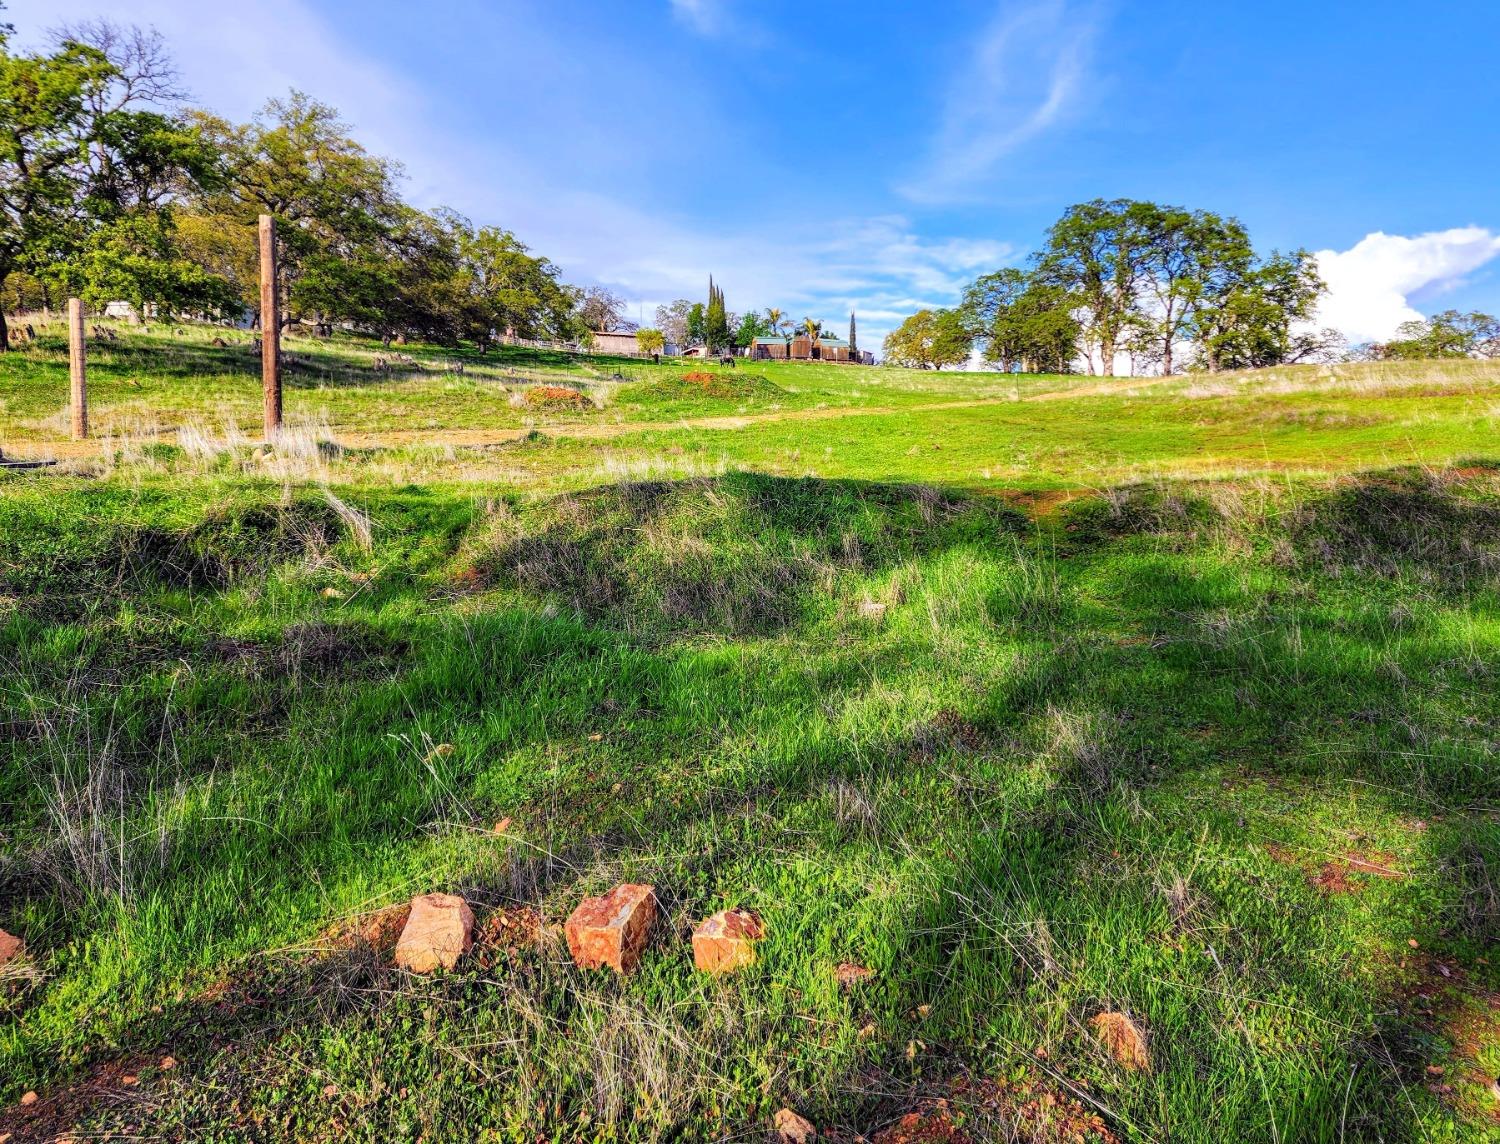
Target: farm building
(776,348)
(615,342)
(830,349)
(805,348)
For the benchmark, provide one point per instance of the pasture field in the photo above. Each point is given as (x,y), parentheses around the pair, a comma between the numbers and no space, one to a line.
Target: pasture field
(1005,702)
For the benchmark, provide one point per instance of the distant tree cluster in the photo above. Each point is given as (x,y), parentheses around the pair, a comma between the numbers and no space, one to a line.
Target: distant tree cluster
(1121,277)
(110,190)
(1450,334)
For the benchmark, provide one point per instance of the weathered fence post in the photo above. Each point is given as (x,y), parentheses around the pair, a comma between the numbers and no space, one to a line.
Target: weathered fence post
(78,369)
(270,327)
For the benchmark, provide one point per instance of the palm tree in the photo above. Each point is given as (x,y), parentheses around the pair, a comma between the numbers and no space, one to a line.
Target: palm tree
(775,319)
(813,327)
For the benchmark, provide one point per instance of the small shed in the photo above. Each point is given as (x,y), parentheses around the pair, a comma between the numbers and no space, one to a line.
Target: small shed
(616,342)
(831,349)
(777,348)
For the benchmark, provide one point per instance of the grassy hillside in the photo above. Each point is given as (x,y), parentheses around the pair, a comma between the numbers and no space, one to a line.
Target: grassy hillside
(1181,703)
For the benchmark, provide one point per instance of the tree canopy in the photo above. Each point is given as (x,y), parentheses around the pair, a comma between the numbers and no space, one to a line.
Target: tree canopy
(1166,286)
(929,339)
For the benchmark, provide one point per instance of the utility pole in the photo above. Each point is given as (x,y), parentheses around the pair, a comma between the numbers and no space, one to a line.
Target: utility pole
(78,370)
(270,328)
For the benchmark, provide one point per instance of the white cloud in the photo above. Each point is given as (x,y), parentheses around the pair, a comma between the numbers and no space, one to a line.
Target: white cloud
(1025,74)
(1370,285)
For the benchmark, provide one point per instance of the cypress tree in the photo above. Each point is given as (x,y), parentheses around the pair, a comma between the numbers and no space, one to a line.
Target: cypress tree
(853,340)
(715,319)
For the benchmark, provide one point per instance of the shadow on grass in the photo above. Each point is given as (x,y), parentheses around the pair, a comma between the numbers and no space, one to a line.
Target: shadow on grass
(1020,836)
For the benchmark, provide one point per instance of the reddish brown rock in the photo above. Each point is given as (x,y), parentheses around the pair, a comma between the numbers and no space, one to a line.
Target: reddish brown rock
(612,930)
(438,932)
(1124,1040)
(11,947)
(849,973)
(726,941)
(793,1129)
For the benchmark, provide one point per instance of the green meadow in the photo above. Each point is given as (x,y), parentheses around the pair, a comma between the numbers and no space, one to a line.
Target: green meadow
(1006,702)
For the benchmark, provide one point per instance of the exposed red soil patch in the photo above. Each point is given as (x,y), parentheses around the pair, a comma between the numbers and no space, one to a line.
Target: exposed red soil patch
(1034,1108)
(1279,853)
(380,930)
(554,395)
(56,1111)
(1443,999)
(1041,503)
(933,1126)
(1347,875)
(510,927)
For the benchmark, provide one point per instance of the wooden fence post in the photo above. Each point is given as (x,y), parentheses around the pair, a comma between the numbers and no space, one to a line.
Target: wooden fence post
(78,369)
(270,327)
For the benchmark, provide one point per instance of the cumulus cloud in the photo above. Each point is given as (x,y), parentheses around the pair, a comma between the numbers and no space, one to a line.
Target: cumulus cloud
(1370,285)
(1025,73)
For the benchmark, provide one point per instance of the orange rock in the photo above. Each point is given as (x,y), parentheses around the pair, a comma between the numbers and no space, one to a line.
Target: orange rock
(612,930)
(851,973)
(29,1098)
(726,941)
(793,1129)
(438,932)
(11,947)
(1124,1040)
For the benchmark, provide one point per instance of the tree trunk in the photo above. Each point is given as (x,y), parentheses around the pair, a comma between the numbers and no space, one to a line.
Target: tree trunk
(4,333)
(1166,357)
(1107,357)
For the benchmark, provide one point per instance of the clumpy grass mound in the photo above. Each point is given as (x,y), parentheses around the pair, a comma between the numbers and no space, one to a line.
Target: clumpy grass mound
(716,387)
(738,555)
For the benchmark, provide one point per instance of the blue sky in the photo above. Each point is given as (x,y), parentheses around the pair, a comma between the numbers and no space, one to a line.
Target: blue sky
(876,156)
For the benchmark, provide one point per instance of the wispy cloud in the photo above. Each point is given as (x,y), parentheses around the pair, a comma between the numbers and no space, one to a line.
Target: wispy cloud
(706,17)
(880,264)
(1372,284)
(1025,74)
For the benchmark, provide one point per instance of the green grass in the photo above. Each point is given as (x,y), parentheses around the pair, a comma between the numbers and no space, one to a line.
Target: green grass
(1107,750)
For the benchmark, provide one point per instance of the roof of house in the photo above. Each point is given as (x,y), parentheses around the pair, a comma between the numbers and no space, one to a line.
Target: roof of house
(774,340)
(833,343)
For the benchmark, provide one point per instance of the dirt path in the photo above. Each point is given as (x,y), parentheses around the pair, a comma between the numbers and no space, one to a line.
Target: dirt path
(586,431)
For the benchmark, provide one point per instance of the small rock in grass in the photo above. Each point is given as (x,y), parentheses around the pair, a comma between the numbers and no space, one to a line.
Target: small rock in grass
(332,594)
(502,826)
(871,610)
(793,1129)
(438,932)
(849,973)
(1124,1040)
(11,947)
(29,1098)
(612,930)
(726,941)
